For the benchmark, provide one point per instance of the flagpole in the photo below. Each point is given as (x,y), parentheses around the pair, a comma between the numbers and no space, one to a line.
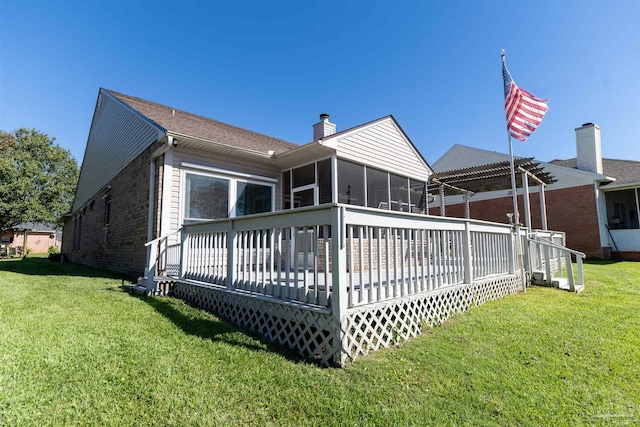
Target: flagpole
(516,215)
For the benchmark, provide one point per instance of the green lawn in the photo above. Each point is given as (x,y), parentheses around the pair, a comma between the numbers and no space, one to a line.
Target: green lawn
(77,350)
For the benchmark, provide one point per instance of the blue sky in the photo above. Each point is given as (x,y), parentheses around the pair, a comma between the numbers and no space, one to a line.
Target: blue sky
(273,67)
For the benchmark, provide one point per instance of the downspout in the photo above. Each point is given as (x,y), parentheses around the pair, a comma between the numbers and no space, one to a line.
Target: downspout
(603,229)
(150,217)
(152,183)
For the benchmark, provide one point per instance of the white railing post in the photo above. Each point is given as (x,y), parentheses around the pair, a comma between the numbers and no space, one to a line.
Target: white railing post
(580,278)
(572,285)
(338,278)
(526,249)
(184,251)
(547,263)
(512,255)
(151,267)
(232,255)
(467,254)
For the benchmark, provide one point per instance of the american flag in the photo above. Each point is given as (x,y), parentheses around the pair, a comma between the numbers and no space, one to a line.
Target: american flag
(524,111)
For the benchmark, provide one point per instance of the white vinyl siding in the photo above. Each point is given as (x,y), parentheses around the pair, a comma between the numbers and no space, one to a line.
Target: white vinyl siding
(118,135)
(383,146)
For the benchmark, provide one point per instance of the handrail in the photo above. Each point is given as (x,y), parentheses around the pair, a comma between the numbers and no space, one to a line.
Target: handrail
(611,235)
(563,248)
(150,242)
(567,254)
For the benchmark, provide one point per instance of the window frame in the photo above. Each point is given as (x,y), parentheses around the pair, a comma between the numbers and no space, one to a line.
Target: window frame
(232,178)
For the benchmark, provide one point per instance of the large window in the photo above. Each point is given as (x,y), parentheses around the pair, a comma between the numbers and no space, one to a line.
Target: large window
(325,187)
(377,189)
(399,191)
(357,185)
(208,197)
(253,198)
(350,183)
(417,196)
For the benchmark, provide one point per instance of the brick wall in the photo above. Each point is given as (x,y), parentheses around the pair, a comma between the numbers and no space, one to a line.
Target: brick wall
(572,210)
(120,245)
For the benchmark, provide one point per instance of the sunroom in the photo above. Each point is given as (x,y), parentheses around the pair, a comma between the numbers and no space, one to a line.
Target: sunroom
(374,165)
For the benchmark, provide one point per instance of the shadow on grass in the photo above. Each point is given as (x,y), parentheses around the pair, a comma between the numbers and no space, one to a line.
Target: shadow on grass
(594,261)
(217,330)
(44,267)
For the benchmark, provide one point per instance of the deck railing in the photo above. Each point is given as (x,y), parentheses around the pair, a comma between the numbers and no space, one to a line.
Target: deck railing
(374,255)
(548,253)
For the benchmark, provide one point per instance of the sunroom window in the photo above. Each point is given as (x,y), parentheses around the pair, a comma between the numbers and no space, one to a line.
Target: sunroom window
(208,197)
(253,198)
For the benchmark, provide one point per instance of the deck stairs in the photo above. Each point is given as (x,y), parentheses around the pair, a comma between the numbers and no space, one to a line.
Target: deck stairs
(539,278)
(545,254)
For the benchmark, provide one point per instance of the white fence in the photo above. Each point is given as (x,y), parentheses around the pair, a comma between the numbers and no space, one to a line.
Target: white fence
(374,255)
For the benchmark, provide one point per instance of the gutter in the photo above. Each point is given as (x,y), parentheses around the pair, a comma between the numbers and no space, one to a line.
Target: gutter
(152,180)
(176,135)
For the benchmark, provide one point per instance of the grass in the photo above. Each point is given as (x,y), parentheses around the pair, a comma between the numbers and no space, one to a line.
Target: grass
(77,350)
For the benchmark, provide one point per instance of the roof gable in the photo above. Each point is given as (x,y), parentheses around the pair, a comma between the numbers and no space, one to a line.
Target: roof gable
(182,122)
(381,144)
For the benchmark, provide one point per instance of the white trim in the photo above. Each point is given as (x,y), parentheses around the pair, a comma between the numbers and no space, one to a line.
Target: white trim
(334,179)
(227,172)
(182,136)
(618,187)
(600,199)
(165,209)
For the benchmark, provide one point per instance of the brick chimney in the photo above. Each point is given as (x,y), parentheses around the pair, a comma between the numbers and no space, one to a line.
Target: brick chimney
(323,128)
(589,148)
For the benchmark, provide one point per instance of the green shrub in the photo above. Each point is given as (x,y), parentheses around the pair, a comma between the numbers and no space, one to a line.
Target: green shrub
(55,256)
(53,250)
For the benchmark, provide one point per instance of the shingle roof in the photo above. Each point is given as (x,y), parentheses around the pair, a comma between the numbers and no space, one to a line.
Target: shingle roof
(35,226)
(625,171)
(202,127)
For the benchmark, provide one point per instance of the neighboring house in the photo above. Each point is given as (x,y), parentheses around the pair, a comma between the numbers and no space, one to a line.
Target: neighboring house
(149,168)
(40,237)
(595,200)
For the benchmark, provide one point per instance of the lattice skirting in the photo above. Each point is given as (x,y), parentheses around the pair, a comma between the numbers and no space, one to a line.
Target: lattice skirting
(305,330)
(384,324)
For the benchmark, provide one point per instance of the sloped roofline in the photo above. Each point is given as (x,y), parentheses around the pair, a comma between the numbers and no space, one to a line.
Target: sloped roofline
(597,176)
(237,137)
(362,126)
(114,95)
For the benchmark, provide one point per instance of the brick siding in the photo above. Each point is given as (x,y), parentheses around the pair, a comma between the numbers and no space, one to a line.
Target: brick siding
(572,210)
(119,246)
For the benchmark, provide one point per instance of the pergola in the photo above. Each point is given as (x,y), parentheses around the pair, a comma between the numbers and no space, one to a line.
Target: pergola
(493,177)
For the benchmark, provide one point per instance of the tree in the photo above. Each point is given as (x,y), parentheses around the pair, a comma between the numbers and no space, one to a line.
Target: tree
(37,178)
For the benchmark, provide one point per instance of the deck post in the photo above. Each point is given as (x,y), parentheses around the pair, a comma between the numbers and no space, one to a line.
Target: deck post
(232,254)
(543,208)
(151,267)
(468,265)
(525,197)
(467,211)
(338,281)
(184,251)
(512,255)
